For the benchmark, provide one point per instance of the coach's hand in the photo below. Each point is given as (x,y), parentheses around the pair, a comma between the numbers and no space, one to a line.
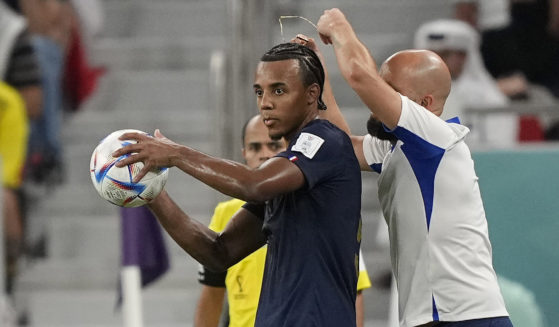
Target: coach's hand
(330,24)
(154,152)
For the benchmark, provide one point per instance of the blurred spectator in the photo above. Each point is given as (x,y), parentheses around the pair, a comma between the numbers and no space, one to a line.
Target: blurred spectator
(520,48)
(535,27)
(472,87)
(67,81)
(80,78)
(90,15)
(49,23)
(20,99)
(18,66)
(492,19)
(519,38)
(44,52)
(13,146)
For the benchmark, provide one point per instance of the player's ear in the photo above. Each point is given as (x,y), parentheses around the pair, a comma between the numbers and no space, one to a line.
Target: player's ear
(313,92)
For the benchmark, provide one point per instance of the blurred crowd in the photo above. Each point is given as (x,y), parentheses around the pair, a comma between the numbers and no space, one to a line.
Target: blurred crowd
(501,54)
(45,76)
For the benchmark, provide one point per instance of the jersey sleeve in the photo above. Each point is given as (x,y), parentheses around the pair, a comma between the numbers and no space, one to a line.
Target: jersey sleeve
(257,209)
(421,130)
(210,278)
(13,136)
(374,151)
(363,281)
(316,151)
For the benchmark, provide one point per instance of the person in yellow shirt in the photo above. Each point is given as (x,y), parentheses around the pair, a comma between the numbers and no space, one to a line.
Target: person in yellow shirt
(242,282)
(13,148)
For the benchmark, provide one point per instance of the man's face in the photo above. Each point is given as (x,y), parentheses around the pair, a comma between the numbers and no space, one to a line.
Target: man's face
(258,146)
(455,61)
(281,97)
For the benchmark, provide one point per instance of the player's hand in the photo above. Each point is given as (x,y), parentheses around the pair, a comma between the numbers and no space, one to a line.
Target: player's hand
(302,39)
(309,43)
(154,152)
(329,22)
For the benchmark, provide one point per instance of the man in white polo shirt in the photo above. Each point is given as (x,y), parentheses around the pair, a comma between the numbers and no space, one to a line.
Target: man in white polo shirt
(428,190)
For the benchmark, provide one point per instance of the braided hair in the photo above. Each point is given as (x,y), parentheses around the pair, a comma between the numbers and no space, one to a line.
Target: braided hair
(309,63)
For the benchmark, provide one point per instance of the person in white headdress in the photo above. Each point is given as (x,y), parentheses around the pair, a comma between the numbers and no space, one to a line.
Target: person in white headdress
(472,86)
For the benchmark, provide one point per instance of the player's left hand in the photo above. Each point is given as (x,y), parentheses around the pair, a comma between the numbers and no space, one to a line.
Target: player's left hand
(302,39)
(154,152)
(310,43)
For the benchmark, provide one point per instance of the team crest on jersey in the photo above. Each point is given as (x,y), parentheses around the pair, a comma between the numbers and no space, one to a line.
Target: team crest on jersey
(308,144)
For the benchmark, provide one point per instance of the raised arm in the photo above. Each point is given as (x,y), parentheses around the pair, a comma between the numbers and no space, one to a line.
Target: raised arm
(332,113)
(359,68)
(276,176)
(217,251)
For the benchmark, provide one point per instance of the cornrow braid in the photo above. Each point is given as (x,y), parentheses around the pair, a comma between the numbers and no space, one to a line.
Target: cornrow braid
(311,67)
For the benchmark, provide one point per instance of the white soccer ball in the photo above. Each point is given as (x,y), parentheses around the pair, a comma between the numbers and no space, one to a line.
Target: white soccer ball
(115,184)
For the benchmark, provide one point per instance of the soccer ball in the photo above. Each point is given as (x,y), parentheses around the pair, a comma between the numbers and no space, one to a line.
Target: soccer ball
(115,184)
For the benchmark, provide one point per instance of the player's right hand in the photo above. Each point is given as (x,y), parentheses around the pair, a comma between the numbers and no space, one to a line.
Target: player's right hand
(327,24)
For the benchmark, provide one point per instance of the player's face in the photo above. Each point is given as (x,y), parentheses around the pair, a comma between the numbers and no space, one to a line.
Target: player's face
(281,97)
(258,146)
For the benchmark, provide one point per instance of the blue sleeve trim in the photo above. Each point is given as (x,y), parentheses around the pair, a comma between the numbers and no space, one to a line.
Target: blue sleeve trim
(424,159)
(454,120)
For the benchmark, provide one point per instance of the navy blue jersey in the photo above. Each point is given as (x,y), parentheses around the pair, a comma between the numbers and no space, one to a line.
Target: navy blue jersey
(311,271)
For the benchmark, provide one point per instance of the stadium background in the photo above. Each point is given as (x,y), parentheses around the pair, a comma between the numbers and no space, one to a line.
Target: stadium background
(185,66)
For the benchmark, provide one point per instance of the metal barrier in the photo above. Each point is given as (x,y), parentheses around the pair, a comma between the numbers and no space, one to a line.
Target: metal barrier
(477,115)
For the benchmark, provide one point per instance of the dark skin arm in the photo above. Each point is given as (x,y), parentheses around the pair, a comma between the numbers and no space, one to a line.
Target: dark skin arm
(210,304)
(243,234)
(217,251)
(276,176)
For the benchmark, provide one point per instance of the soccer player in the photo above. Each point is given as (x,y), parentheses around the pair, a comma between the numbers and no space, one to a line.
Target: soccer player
(243,280)
(428,190)
(304,203)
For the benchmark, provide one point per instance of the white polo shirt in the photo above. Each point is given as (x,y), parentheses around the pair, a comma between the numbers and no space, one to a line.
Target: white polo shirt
(439,243)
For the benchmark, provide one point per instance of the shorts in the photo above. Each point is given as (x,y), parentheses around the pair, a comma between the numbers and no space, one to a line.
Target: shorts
(484,322)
